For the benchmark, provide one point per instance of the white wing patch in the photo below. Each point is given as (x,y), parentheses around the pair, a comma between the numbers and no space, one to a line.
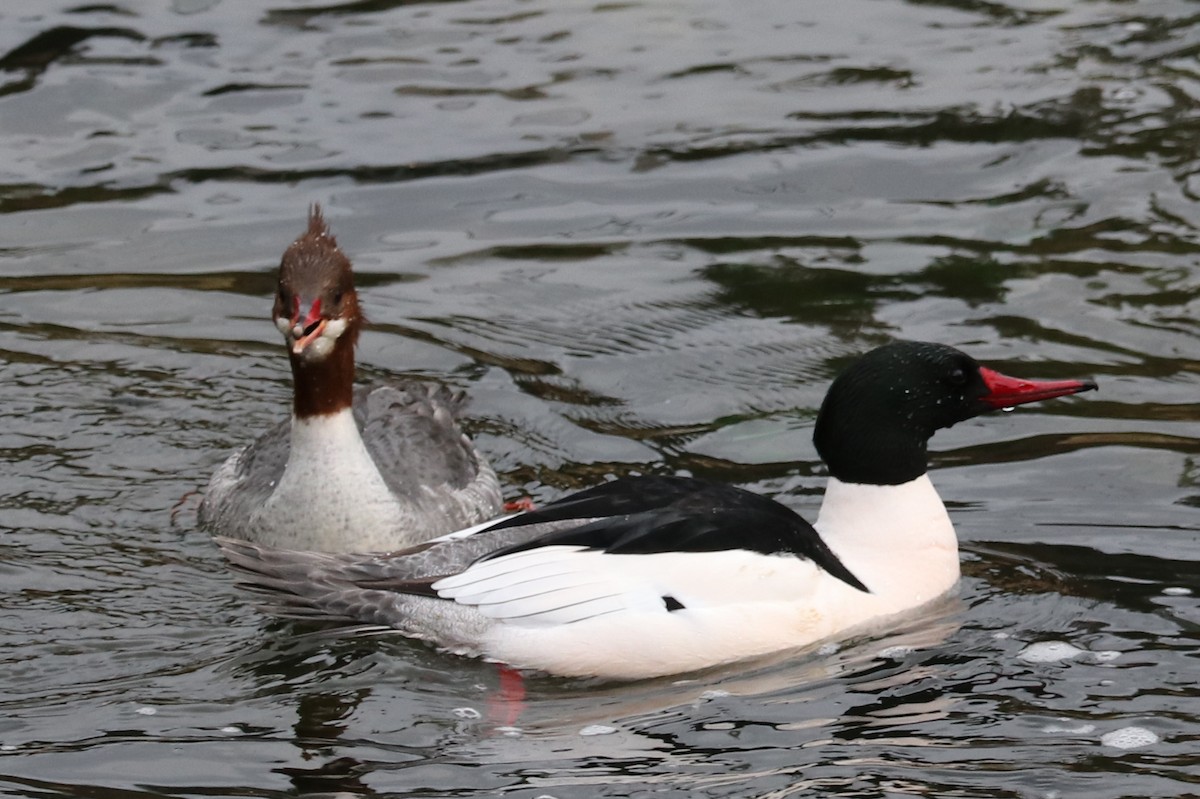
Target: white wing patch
(558,585)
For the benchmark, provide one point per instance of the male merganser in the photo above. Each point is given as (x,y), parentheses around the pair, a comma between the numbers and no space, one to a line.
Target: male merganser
(364,469)
(649,576)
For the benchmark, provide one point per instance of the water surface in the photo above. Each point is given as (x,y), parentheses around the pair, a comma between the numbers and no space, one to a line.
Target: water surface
(643,236)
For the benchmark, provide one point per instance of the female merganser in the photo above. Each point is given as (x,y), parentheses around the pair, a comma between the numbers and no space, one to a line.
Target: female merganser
(649,576)
(364,469)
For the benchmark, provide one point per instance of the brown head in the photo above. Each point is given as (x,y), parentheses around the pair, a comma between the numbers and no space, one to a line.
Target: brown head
(316,309)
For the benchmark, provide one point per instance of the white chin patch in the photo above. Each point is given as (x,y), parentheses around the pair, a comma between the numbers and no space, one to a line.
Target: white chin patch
(319,347)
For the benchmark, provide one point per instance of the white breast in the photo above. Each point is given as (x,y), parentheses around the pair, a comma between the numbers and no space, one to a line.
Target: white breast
(898,540)
(330,484)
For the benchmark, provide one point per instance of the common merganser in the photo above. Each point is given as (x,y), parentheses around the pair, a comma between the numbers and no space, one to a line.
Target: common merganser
(650,576)
(364,469)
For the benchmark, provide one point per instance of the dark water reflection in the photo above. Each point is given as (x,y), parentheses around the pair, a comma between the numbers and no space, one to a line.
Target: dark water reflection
(642,236)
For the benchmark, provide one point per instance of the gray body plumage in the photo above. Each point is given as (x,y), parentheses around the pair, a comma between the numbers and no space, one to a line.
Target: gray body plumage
(370,590)
(433,479)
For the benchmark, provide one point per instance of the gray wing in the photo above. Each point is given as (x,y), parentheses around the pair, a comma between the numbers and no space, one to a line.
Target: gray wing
(246,479)
(412,432)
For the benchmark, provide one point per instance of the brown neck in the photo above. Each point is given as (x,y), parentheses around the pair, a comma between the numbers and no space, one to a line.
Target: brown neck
(327,386)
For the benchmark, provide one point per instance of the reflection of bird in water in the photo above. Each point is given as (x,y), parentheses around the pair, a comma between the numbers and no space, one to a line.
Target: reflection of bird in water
(342,775)
(506,704)
(321,719)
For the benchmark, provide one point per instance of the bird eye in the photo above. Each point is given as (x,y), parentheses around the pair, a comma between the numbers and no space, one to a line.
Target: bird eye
(958,376)
(337,298)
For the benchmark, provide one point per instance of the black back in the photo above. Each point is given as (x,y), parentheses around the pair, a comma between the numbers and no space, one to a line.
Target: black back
(654,514)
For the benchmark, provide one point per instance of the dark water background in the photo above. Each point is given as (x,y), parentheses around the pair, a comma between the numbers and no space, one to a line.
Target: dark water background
(643,235)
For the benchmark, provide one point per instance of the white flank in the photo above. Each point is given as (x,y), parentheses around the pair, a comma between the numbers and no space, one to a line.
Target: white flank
(573,611)
(581,612)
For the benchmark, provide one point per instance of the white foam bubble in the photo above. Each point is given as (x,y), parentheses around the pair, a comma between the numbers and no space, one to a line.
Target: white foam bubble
(1058,651)
(1177,590)
(898,651)
(146,711)
(597,729)
(467,713)
(1050,652)
(1129,738)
